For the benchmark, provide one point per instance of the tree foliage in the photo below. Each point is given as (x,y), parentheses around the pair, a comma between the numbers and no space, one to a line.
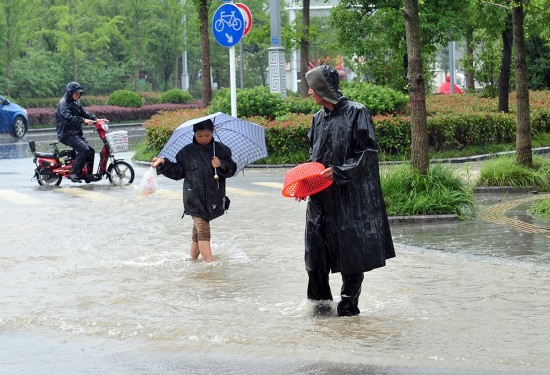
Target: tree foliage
(138,44)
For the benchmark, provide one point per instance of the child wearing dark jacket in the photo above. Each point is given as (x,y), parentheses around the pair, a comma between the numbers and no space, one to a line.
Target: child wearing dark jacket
(204,165)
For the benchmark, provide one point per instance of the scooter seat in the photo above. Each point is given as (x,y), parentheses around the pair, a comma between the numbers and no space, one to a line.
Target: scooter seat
(45,155)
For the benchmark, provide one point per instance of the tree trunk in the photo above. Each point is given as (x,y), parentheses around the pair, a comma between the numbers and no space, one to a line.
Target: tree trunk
(470,84)
(505,67)
(304,49)
(72,32)
(415,77)
(137,56)
(524,154)
(205,54)
(176,71)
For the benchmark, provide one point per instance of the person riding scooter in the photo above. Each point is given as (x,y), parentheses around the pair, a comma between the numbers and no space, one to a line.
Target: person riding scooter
(70,116)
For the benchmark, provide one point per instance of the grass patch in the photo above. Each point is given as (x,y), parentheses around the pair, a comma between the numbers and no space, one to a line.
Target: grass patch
(441,191)
(143,153)
(541,210)
(504,171)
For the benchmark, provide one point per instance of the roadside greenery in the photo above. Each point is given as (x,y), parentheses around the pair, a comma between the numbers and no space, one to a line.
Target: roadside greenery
(461,125)
(441,191)
(458,126)
(45,117)
(505,171)
(125,98)
(541,210)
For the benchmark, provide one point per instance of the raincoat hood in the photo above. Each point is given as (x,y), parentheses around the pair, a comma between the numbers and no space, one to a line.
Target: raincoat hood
(73,87)
(325,81)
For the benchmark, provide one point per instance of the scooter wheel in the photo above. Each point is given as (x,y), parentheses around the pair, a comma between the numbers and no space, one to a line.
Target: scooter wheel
(120,173)
(49,179)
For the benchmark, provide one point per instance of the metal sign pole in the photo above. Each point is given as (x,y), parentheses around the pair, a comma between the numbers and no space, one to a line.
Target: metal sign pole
(241,63)
(228,27)
(233,81)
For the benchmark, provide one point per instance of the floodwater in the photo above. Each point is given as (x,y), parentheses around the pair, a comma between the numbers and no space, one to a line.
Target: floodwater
(93,280)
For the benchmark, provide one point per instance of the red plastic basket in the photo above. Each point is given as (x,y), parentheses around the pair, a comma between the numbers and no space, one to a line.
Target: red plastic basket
(305,180)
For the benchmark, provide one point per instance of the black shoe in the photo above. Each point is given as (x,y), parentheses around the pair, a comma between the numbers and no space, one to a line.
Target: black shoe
(92,178)
(346,307)
(74,178)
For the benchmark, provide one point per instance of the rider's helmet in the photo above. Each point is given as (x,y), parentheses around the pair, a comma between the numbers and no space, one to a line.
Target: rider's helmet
(74,87)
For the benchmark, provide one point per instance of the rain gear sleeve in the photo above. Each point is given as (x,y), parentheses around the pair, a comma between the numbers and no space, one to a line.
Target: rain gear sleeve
(347,228)
(203,196)
(69,117)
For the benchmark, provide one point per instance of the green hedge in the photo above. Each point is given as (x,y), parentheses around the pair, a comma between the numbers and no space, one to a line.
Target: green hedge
(287,134)
(85,100)
(378,99)
(40,117)
(452,131)
(125,98)
(176,96)
(259,101)
(256,101)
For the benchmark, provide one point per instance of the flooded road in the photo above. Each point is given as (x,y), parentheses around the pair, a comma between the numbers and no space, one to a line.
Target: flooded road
(94,281)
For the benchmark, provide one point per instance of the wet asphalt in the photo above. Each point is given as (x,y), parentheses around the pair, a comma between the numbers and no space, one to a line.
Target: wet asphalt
(501,229)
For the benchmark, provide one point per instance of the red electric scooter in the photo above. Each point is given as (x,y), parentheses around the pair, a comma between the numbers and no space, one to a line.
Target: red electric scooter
(52,167)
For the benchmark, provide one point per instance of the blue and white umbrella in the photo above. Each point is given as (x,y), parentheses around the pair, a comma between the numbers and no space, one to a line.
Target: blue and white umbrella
(245,139)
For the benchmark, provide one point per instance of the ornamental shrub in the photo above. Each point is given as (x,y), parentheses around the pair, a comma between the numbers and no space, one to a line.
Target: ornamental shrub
(293,104)
(540,121)
(256,101)
(175,96)
(378,99)
(221,102)
(160,127)
(125,98)
(115,114)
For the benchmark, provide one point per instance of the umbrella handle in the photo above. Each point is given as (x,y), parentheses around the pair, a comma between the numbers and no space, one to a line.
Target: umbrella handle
(216,177)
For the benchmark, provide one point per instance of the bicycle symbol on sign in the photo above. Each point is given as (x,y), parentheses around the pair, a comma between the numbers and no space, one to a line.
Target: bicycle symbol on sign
(228,19)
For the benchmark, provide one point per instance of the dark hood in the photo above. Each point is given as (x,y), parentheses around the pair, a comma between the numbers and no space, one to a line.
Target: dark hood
(325,81)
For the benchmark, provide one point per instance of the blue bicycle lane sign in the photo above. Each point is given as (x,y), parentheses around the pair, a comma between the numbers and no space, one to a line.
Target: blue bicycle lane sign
(228,25)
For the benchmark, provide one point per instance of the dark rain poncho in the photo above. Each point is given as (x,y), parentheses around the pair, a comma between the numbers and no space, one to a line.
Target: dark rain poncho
(69,117)
(203,196)
(347,227)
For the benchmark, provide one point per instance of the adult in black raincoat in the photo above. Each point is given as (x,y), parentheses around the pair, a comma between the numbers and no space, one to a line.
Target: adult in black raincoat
(347,227)
(203,195)
(69,117)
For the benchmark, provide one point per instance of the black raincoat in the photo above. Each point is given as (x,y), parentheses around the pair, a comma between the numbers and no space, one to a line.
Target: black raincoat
(70,115)
(347,227)
(203,196)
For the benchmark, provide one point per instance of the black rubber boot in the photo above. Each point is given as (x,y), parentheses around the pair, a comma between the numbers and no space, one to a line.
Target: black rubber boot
(351,290)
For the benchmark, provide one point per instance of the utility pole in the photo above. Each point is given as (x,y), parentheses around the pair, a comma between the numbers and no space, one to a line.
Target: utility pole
(276,53)
(184,72)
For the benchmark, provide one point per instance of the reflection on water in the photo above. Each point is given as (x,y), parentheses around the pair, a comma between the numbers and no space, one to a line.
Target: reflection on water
(110,266)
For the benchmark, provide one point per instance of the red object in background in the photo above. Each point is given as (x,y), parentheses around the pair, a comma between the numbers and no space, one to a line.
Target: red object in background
(305,180)
(445,87)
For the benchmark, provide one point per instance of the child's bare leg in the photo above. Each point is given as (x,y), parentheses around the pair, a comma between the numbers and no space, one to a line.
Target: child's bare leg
(205,250)
(194,253)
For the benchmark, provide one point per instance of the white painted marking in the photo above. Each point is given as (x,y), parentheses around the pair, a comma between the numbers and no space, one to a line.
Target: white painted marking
(18,198)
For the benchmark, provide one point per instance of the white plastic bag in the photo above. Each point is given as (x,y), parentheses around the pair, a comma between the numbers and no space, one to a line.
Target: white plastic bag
(149,183)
